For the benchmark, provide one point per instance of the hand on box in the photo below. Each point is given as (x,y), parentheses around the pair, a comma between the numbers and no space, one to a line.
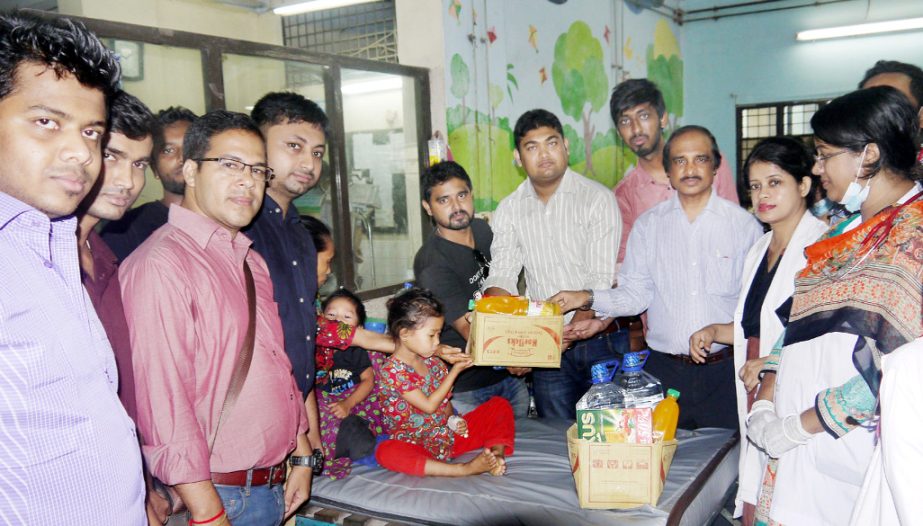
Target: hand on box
(461,362)
(450,354)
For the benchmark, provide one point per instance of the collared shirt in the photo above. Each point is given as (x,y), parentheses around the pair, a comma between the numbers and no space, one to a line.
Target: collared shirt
(68,451)
(106,295)
(686,275)
(570,243)
(126,234)
(289,252)
(638,192)
(186,304)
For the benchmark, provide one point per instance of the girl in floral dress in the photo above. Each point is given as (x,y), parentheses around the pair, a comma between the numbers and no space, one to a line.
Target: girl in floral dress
(415,388)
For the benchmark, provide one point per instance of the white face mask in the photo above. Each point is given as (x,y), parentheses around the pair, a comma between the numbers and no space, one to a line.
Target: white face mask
(856,194)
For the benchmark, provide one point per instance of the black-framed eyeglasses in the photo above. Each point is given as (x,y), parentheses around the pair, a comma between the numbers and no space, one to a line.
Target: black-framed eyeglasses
(482,261)
(236,168)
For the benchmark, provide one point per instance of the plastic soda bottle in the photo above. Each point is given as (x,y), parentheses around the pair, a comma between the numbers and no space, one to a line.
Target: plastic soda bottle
(516,305)
(666,415)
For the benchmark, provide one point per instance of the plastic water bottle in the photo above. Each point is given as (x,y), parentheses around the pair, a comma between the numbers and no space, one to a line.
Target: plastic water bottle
(638,387)
(603,394)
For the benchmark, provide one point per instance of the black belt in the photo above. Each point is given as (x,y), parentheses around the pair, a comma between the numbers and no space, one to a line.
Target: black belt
(710,358)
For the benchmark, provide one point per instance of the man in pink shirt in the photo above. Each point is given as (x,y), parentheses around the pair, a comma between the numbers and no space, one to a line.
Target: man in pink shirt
(184,292)
(640,116)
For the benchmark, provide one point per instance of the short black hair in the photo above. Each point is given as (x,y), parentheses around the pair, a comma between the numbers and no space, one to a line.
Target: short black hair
(679,132)
(167,117)
(410,308)
(348,295)
(130,117)
(439,173)
(320,233)
(198,137)
(880,115)
(632,92)
(790,155)
(532,120)
(65,46)
(893,66)
(282,107)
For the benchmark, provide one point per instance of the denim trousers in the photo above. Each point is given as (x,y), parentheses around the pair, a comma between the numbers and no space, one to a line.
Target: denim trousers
(512,388)
(557,390)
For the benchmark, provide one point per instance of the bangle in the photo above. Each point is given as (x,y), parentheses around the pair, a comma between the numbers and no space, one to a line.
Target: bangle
(213,519)
(588,305)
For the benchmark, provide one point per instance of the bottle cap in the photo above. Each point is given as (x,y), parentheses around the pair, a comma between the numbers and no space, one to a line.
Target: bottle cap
(470,304)
(603,371)
(673,392)
(634,361)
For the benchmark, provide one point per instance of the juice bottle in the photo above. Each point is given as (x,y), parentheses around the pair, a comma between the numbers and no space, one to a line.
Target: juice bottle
(516,305)
(666,415)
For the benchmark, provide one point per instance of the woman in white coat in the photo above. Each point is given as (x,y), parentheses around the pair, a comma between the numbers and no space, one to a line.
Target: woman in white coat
(778,175)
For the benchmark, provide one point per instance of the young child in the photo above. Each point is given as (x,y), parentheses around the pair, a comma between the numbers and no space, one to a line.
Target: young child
(350,417)
(415,387)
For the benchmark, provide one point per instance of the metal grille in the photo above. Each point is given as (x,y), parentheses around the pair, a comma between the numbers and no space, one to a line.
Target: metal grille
(364,31)
(755,123)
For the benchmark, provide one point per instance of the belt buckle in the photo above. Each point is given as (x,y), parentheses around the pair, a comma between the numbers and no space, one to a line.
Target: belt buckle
(272,472)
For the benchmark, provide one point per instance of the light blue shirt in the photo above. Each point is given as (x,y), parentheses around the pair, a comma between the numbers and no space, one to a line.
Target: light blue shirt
(685,275)
(68,451)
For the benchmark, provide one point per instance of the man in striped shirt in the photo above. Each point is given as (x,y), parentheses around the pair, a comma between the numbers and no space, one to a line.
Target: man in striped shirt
(563,229)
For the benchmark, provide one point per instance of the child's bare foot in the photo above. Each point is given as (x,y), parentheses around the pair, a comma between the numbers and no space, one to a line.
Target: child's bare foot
(499,453)
(485,462)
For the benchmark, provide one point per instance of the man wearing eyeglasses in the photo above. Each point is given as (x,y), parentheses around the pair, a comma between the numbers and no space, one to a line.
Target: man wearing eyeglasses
(453,263)
(683,266)
(185,291)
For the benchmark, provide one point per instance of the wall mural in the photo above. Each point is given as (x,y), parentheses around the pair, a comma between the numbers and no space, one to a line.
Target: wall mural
(517,55)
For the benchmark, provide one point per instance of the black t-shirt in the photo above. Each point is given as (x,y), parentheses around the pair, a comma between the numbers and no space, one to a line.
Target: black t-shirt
(348,365)
(126,234)
(452,272)
(750,321)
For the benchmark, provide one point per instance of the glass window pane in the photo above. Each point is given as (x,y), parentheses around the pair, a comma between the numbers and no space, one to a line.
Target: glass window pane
(161,76)
(379,114)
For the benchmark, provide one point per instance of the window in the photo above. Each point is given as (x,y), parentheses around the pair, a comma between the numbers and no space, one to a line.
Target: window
(758,122)
(365,31)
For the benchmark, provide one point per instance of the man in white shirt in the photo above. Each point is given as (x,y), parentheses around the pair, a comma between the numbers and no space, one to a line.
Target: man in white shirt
(563,230)
(683,265)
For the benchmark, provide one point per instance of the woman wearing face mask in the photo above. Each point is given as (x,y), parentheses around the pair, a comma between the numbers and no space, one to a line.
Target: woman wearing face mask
(858,297)
(778,175)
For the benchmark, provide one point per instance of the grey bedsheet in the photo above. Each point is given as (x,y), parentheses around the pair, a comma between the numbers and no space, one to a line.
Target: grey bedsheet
(538,488)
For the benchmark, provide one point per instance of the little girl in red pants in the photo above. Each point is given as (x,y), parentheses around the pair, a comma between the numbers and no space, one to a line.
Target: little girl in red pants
(415,387)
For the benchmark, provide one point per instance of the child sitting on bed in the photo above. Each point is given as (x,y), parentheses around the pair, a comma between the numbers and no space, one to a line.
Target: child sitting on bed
(350,417)
(415,387)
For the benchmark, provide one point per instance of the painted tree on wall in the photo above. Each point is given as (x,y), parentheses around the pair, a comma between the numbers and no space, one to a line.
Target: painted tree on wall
(580,80)
(461,82)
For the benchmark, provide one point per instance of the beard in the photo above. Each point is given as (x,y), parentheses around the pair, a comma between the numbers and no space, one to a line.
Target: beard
(174,187)
(457,221)
(644,151)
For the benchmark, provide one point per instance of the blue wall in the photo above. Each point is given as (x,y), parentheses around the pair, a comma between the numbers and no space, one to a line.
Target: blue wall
(755,58)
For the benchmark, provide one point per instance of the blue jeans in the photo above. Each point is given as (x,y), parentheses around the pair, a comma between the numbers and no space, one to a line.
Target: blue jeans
(512,388)
(557,390)
(263,506)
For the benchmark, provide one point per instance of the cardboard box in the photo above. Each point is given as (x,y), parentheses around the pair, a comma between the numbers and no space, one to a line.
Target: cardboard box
(515,341)
(632,426)
(610,475)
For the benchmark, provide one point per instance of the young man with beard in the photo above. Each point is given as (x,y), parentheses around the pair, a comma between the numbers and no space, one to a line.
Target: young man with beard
(187,293)
(124,235)
(563,230)
(453,263)
(683,266)
(69,451)
(640,116)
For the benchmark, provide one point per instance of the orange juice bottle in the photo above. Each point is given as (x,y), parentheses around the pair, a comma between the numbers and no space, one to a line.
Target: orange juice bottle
(516,305)
(666,415)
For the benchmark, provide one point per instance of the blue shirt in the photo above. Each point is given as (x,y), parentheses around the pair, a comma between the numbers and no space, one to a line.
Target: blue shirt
(289,252)
(69,452)
(685,275)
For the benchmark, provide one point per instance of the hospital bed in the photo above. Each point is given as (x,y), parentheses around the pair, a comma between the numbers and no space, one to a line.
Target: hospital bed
(538,488)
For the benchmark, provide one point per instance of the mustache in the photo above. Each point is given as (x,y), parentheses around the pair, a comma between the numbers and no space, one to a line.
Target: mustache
(688,177)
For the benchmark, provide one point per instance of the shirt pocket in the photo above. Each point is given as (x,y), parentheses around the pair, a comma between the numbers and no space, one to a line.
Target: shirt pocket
(722,273)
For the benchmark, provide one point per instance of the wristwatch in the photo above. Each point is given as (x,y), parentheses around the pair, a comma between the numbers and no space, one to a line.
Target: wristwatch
(315,461)
(589,303)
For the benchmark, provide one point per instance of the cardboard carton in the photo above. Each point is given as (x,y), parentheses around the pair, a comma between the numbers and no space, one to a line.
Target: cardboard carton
(632,426)
(612,475)
(515,341)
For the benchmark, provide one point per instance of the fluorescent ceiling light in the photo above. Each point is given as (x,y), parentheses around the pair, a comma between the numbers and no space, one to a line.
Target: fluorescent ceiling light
(315,5)
(371,86)
(861,29)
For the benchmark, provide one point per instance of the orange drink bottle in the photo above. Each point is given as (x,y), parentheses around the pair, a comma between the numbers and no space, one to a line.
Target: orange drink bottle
(666,415)
(516,305)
